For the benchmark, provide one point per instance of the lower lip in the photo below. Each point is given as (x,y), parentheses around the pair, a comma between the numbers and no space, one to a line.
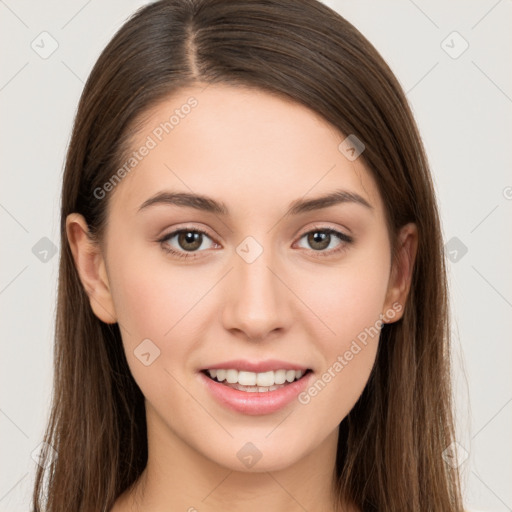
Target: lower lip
(255,403)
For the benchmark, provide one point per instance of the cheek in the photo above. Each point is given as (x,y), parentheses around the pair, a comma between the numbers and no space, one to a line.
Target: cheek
(346,298)
(161,302)
(151,302)
(149,295)
(349,300)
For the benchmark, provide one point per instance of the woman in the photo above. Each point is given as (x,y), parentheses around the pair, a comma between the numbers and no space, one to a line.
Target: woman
(252,305)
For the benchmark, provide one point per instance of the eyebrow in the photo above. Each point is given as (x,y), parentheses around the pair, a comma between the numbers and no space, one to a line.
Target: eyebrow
(208,204)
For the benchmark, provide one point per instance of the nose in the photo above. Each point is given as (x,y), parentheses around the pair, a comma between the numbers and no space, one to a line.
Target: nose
(257,301)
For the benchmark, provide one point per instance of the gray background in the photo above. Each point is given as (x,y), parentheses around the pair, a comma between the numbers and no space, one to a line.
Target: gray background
(462,103)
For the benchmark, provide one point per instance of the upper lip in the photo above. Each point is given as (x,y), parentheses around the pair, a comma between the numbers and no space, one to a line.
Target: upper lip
(256,366)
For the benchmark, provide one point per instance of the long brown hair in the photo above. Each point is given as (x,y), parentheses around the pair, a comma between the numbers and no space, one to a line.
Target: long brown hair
(391,443)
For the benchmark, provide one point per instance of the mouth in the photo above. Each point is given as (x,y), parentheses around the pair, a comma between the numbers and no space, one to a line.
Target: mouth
(253,382)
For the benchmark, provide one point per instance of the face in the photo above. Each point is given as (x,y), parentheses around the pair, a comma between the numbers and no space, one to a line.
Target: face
(254,281)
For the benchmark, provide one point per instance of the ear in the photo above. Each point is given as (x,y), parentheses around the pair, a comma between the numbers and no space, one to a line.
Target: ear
(91,268)
(401,273)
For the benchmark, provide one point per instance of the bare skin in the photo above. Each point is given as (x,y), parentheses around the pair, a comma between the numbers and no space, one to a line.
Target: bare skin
(300,300)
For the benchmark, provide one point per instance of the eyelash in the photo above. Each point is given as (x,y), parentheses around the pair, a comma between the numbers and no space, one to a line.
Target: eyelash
(192,255)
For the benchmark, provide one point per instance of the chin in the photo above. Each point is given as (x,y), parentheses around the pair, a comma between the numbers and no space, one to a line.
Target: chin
(256,454)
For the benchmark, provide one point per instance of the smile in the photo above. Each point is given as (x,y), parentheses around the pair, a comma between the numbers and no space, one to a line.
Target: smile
(255,388)
(253,382)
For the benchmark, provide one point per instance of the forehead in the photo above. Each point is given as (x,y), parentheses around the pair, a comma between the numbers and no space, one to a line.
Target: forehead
(242,145)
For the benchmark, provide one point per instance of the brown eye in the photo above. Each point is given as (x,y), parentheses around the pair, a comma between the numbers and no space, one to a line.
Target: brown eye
(190,240)
(320,239)
(183,241)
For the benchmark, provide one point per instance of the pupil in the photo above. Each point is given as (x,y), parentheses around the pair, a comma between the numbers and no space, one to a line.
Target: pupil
(191,238)
(318,240)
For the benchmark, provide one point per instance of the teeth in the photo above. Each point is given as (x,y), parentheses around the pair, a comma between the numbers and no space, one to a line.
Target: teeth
(280,377)
(266,379)
(232,376)
(256,381)
(254,389)
(247,378)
